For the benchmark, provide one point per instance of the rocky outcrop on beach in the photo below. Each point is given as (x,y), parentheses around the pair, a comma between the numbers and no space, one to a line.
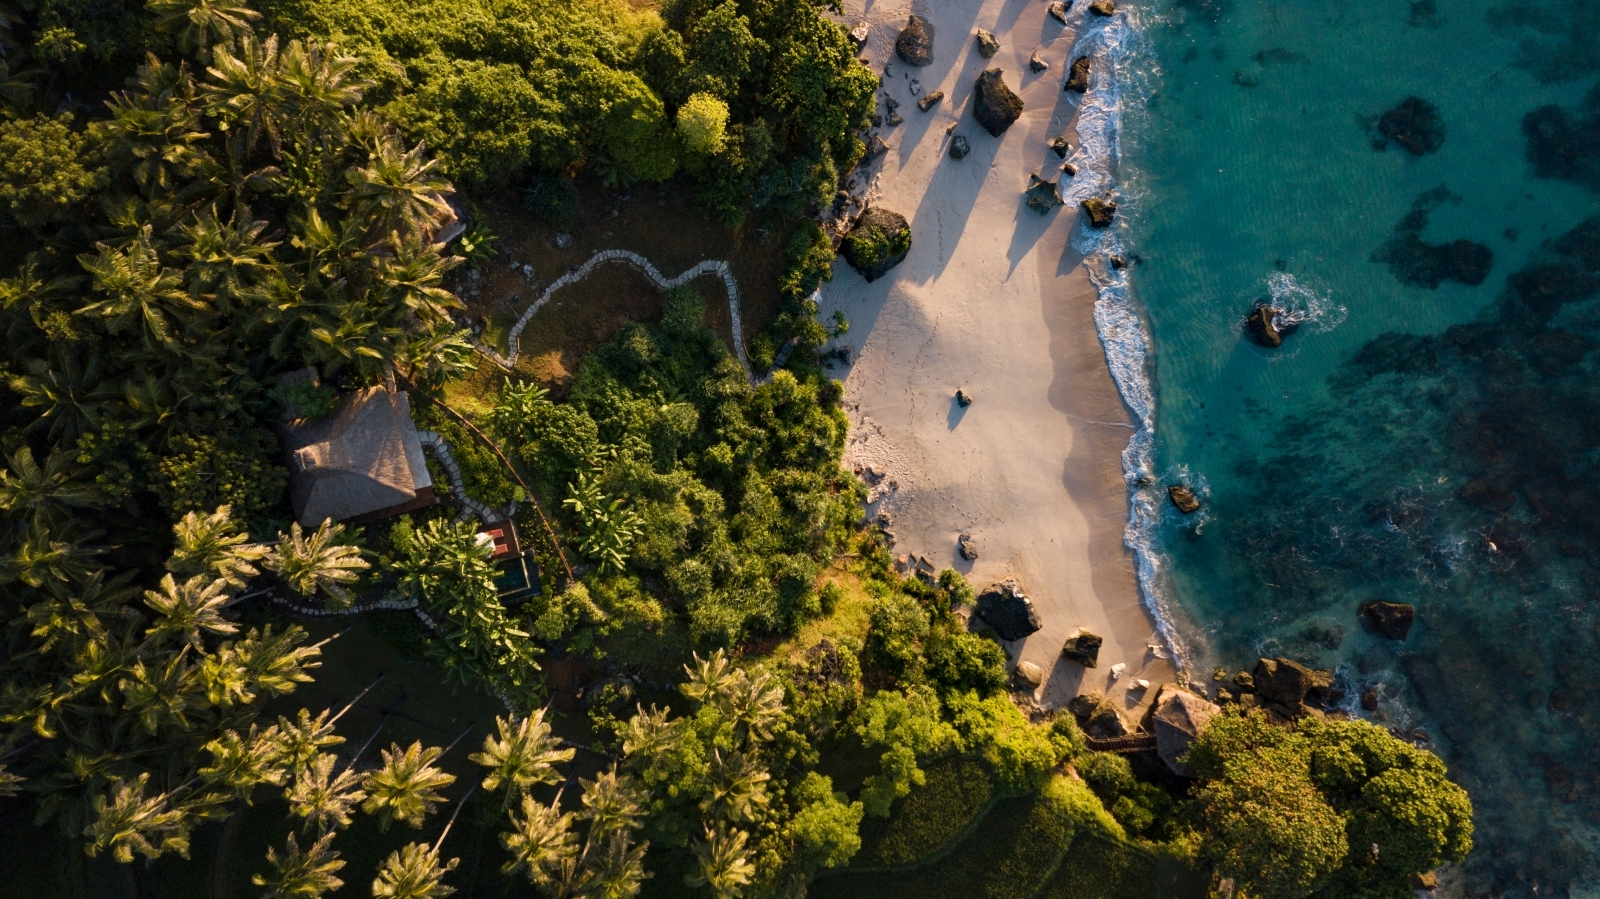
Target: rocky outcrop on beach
(1285,688)
(1389,620)
(988,44)
(967,548)
(994,105)
(1084,704)
(959,147)
(1100,212)
(1103,7)
(1268,325)
(1043,196)
(1058,11)
(1177,717)
(1036,63)
(929,100)
(875,148)
(1083,648)
(1004,607)
(878,242)
(914,46)
(1029,676)
(1078,77)
(1106,722)
(1415,125)
(1182,497)
(1062,145)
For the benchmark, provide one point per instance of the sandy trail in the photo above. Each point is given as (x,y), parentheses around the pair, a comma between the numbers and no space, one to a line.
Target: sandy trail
(993,300)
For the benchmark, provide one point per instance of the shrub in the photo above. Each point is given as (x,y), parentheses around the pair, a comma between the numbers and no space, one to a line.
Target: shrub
(552,199)
(46,170)
(953,794)
(702,124)
(873,245)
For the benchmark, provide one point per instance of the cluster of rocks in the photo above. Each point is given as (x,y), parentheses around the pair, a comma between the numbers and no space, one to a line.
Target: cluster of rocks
(1417,263)
(1284,689)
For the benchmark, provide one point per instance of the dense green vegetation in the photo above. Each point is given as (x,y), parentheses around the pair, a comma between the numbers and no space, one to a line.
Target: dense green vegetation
(197,197)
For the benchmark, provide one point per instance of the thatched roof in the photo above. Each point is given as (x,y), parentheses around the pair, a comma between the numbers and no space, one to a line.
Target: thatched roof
(364,458)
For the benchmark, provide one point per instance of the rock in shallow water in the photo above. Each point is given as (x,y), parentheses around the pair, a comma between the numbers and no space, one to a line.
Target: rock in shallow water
(994,105)
(1004,607)
(1078,78)
(1268,326)
(1103,7)
(1415,124)
(1390,620)
(915,43)
(1101,212)
(1183,497)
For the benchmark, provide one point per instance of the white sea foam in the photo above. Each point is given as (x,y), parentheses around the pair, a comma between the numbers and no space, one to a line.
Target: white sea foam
(1298,304)
(1112,44)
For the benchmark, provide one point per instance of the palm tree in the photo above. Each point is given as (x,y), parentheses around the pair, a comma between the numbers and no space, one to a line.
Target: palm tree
(708,678)
(406,786)
(245,90)
(125,822)
(411,273)
(202,24)
(189,610)
(39,558)
(324,799)
(541,842)
(398,191)
(241,762)
(223,255)
(612,804)
(738,786)
(308,564)
(154,130)
(70,612)
(523,756)
(214,545)
(67,394)
(647,735)
(413,872)
(619,871)
(317,83)
(754,703)
(138,290)
(724,863)
(301,874)
(44,493)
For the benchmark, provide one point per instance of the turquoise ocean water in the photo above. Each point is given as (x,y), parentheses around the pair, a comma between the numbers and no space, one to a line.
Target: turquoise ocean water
(1433,444)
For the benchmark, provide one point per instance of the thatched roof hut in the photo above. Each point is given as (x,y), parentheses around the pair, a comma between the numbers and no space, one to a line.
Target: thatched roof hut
(362,462)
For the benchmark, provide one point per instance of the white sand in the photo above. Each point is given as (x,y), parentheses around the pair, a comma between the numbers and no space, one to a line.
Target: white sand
(993,300)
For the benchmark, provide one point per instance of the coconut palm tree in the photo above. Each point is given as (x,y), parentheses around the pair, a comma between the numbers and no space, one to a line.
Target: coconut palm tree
(738,786)
(202,24)
(541,842)
(223,256)
(708,678)
(318,562)
(724,863)
(410,275)
(67,394)
(522,756)
(754,703)
(612,804)
(325,800)
(413,872)
(406,786)
(647,735)
(618,871)
(189,610)
(138,290)
(301,874)
(214,545)
(39,558)
(397,191)
(317,83)
(245,91)
(242,762)
(44,493)
(125,821)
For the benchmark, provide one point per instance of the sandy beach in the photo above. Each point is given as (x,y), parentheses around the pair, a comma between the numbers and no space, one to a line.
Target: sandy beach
(993,300)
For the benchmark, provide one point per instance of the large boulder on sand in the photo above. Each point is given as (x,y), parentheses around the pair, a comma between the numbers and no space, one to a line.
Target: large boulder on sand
(1101,212)
(988,44)
(1106,722)
(1390,620)
(1084,704)
(1082,647)
(1042,195)
(1008,610)
(879,241)
(1178,718)
(1415,124)
(1029,675)
(995,106)
(915,44)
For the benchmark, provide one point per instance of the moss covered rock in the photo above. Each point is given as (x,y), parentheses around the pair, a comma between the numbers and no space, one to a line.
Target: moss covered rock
(879,241)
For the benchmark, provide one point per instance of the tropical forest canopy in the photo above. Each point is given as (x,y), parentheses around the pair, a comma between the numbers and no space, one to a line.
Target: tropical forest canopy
(198,196)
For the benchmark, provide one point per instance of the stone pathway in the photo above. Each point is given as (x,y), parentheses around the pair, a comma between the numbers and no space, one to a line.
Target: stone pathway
(708,267)
(432,442)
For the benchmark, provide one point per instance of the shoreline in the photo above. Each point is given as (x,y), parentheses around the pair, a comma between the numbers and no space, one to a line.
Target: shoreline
(999,301)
